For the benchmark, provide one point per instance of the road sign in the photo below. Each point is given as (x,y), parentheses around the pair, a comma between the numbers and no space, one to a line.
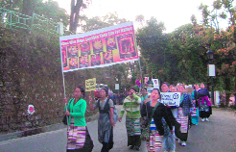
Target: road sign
(116,86)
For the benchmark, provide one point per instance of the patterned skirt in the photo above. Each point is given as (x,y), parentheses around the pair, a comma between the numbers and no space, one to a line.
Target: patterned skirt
(155,142)
(133,126)
(195,115)
(76,136)
(183,120)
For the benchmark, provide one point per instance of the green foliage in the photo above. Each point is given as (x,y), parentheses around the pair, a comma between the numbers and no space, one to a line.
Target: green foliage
(155,51)
(101,22)
(51,10)
(190,49)
(233,107)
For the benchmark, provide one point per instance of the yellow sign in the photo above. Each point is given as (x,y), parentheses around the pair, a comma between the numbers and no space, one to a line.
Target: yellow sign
(90,84)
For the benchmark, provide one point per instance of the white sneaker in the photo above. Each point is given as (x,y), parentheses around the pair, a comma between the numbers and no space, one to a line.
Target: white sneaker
(203,119)
(183,143)
(206,119)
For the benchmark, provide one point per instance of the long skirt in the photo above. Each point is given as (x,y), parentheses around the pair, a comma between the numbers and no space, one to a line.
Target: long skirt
(76,136)
(182,134)
(155,142)
(205,113)
(133,131)
(105,132)
(195,115)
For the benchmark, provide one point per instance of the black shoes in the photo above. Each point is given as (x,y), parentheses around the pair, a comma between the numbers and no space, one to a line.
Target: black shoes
(131,147)
(134,148)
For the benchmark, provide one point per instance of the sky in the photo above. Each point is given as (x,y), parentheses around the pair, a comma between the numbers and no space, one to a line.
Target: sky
(173,13)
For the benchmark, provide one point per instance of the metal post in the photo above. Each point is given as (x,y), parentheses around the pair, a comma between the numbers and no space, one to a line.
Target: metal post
(140,74)
(11,19)
(32,22)
(212,92)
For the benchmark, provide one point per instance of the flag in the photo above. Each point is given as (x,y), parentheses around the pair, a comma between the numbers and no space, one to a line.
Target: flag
(138,82)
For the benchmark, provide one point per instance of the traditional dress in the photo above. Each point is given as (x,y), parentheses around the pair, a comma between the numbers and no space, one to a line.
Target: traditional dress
(143,119)
(132,107)
(76,133)
(204,102)
(160,126)
(105,130)
(195,109)
(183,116)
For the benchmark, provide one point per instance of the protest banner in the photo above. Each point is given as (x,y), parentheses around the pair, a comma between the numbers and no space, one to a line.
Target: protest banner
(171,98)
(146,79)
(90,85)
(155,83)
(99,48)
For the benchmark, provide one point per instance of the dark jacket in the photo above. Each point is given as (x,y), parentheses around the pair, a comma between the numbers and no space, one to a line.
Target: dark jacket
(203,93)
(160,112)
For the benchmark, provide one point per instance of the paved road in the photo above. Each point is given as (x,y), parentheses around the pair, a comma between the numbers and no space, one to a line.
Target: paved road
(218,135)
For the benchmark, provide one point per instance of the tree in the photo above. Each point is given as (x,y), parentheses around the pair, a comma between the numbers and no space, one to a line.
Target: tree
(140,19)
(190,50)
(101,22)
(222,41)
(155,50)
(76,6)
(29,6)
(51,10)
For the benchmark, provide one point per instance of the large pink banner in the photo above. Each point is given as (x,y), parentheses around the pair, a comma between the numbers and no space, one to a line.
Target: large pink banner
(100,48)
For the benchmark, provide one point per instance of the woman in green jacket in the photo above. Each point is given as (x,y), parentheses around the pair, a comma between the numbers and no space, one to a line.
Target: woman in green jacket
(131,106)
(75,110)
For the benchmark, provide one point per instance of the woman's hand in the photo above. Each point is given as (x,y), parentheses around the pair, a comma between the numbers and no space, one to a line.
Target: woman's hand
(113,123)
(67,113)
(146,100)
(65,101)
(120,119)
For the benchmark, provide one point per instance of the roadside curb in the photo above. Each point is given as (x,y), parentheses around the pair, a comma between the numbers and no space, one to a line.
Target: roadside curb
(35,131)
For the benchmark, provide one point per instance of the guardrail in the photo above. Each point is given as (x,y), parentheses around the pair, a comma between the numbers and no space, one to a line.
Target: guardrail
(13,20)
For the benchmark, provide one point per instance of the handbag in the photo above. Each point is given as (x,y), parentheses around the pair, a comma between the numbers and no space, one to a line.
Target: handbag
(107,110)
(64,120)
(146,131)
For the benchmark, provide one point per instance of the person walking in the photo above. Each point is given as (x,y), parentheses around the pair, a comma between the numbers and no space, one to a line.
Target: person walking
(169,138)
(75,110)
(183,115)
(195,112)
(131,106)
(205,103)
(105,120)
(159,122)
(143,119)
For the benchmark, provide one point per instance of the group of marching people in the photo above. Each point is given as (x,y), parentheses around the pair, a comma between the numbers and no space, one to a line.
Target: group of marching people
(147,118)
(170,124)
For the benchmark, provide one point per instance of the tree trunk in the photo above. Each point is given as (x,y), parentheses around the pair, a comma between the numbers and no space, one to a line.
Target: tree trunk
(28,7)
(74,16)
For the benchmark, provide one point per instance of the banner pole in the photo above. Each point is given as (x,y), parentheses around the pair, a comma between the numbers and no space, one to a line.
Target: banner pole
(64,88)
(140,74)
